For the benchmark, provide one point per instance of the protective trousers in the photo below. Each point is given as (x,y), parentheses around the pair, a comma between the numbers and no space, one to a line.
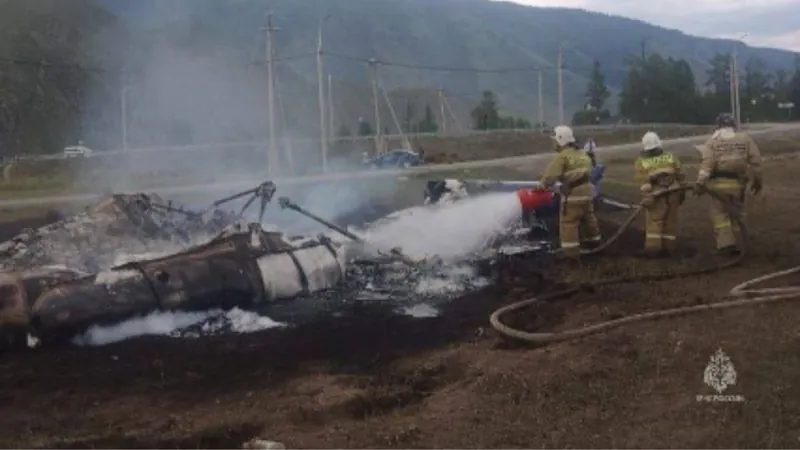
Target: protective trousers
(575,213)
(661,223)
(725,229)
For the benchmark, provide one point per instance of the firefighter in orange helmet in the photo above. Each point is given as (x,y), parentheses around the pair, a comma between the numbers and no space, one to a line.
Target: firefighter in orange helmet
(572,168)
(656,171)
(730,158)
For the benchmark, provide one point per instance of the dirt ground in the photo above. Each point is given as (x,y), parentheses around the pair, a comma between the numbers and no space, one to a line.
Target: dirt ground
(384,381)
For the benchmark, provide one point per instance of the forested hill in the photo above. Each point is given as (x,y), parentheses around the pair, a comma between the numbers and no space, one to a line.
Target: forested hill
(476,34)
(194,69)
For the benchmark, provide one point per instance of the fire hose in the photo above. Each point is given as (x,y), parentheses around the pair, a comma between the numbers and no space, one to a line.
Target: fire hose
(744,294)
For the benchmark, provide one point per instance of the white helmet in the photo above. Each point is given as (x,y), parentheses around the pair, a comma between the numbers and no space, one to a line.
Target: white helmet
(563,135)
(651,141)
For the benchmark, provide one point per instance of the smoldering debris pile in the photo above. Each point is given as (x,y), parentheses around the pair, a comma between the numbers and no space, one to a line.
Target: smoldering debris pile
(122,224)
(215,265)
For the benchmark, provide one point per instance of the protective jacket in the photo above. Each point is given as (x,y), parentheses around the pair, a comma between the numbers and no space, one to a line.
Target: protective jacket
(572,168)
(729,155)
(658,171)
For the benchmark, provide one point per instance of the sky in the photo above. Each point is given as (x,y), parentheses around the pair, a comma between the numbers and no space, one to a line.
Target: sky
(763,23)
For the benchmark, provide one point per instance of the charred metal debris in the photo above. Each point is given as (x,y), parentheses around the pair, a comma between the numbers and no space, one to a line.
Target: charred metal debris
(61,279)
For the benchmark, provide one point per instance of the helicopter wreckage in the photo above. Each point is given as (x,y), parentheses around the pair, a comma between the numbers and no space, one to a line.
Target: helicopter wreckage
(59,280)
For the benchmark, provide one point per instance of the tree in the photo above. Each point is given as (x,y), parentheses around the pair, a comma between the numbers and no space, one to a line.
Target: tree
(408,120)
(757,95)
(794,93)
(485,115)
(660,90)
(344,131)
(428,123)
(365,128)
(522,124)
(719,74)
(506,123)
(590,116)
(597,91)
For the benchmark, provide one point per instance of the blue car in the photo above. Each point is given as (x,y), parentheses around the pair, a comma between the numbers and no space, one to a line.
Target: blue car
(396,158)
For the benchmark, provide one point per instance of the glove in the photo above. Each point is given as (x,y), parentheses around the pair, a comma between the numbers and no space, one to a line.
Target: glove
(755,186)
(699,189)
(648,200)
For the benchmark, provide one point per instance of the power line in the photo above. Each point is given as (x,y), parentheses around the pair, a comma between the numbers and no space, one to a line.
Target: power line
(84,68)
(466,69)
(434,68)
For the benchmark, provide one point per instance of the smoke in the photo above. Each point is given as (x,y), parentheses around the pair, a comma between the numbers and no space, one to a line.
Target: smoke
(195,106)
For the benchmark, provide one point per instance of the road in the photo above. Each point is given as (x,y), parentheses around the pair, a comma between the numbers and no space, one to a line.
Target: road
(232,186)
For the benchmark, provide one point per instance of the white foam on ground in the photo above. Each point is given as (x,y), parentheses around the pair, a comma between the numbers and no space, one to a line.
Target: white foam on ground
(450,231)
(166,323)
(421,311)
(249,322)
(453,280)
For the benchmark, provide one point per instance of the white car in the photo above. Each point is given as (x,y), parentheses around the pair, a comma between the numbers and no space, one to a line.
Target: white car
(77,151)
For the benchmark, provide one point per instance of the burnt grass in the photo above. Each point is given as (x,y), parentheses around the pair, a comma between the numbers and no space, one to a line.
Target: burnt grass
(376,379)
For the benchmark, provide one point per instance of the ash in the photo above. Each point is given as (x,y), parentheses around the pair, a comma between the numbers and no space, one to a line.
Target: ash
(122,224)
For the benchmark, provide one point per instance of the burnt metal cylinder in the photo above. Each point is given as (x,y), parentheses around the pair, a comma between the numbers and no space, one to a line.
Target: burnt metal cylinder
(234,271)
(209,276)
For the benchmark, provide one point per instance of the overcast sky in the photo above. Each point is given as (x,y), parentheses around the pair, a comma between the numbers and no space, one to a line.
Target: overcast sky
(768,23)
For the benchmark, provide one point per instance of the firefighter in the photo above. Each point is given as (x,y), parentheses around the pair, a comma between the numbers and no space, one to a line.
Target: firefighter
(572,167)
(730,159)
(655,171)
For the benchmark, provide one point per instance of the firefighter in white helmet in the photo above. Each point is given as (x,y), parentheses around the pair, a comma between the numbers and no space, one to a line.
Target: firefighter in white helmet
(656,171)
(572,168)
(730,159)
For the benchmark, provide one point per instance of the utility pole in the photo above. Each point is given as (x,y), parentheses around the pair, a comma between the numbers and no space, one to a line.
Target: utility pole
(124,114)
(321,90)
(540,125)
(441,111)
(373,66)
(732,86)
(272,154)
(644,50)
(560,85)
(331,131)
(736,107)
(738,111)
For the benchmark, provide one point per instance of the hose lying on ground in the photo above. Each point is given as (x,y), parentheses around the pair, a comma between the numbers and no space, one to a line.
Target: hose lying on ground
(752,297)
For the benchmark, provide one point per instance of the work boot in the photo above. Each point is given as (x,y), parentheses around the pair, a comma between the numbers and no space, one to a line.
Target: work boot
(730,250)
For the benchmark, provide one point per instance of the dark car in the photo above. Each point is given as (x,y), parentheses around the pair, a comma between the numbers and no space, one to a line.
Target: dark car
(396,158)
